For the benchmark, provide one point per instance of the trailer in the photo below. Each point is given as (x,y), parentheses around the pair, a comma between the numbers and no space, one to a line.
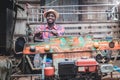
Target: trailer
(68,58)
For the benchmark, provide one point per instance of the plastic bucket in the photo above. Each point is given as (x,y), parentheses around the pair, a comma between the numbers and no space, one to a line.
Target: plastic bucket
(49,71)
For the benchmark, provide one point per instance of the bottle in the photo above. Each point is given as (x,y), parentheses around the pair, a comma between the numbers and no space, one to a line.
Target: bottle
(37,61)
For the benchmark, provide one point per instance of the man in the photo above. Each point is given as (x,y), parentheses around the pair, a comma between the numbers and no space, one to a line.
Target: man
(50,29)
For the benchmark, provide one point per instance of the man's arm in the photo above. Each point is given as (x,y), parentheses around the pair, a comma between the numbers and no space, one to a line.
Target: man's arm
(60,31)
(38,32)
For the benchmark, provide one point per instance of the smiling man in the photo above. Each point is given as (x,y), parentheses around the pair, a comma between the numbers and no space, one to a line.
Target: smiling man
(51,28)
(48,30)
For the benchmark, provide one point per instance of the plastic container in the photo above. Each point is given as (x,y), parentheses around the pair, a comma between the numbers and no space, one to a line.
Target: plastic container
(49,71)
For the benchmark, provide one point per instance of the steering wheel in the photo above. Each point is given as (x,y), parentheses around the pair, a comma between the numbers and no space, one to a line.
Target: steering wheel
(38,37)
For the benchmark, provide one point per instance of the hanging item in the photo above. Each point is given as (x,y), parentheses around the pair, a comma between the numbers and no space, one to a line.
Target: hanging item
(111,44)
(96,45)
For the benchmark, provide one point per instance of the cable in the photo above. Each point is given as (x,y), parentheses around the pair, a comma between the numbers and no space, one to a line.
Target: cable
(51,2)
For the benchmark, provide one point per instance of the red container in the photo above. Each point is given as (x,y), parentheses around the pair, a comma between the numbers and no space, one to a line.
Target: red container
(49,71)
(85,65)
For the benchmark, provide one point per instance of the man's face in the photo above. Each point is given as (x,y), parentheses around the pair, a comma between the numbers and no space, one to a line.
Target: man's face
(50,17)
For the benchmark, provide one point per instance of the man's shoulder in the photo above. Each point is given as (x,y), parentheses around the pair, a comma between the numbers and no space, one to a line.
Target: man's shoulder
(41,26)
(59,26)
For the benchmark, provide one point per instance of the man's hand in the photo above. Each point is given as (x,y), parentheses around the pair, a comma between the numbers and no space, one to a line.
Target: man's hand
(54,32)
(40,32)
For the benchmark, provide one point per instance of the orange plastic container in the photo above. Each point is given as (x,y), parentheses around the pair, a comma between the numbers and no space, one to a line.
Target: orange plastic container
(49,71)
(85,65)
